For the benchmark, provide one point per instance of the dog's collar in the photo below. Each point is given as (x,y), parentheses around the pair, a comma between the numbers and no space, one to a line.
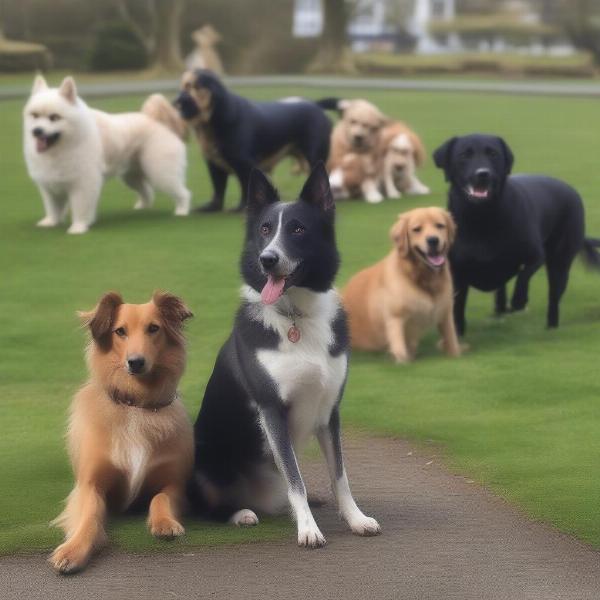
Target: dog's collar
(125,399)
(292,314)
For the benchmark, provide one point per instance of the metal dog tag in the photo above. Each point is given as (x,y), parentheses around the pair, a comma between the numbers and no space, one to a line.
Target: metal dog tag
(293,334)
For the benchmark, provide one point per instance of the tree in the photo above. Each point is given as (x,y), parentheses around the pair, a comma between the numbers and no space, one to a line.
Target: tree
(157,25)
(333,55)
(581,20)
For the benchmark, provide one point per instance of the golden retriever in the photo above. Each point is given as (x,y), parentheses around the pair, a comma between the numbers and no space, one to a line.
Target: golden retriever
(129,436)
(402,151)
(358,132)
(392,303)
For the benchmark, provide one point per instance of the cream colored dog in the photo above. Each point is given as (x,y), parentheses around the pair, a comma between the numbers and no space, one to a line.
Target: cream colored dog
(71,149)
(392,303)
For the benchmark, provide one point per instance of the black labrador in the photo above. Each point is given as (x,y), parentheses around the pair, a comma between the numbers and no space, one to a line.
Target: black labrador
(508,225)
(236,134)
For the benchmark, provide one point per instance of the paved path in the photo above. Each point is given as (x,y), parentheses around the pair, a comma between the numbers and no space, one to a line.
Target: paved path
(442,539)
(169,86)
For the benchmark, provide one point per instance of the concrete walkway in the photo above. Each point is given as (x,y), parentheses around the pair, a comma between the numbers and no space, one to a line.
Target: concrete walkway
(169,86)
(443,538)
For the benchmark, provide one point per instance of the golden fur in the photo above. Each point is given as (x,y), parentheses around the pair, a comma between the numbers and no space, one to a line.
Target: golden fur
(392,303)
(157,107)
(129,436)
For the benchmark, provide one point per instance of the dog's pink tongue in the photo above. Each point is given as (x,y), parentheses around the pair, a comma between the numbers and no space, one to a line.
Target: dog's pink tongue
(272,290)
(41,144)
(437,261)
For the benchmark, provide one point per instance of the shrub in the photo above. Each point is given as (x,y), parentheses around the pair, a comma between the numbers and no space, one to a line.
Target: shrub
(114,48)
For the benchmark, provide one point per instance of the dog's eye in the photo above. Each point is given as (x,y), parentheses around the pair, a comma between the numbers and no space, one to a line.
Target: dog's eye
(440,226)
(54,117)
(120,331)
(35,115)
(265,229)
(298,230)
(491,152)
(417,229)
(153,328)
(466,154)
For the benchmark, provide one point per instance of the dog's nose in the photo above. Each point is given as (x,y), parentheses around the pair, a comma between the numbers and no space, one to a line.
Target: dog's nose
(358,139)
(38,132)
(482,175)
(268,259)
(433,241)
(136,363)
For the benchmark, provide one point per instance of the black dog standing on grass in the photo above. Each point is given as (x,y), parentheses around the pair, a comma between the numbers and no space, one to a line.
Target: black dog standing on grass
(508,225)
(237,135)
(280,376)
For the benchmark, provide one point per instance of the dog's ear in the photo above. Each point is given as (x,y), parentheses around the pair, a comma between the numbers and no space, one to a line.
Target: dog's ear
(260,192)
(509,158)
(39,84)
(68,89)
(316,190)
(101,319)
(343,106)
(451,227)
(173,313)
(399,234)
(419,154)
(442,157)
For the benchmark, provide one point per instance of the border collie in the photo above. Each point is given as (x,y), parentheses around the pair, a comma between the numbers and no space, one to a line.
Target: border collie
(280,376)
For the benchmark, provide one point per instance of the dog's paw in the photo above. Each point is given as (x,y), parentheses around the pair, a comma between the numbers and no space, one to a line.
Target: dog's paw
(47,222)
(182,211)
(394,195)
(78,229)
(141,204)
(166,528)
(365,526)
(69,558)
(421,190)
(311,538)
(244,518)
(374,198)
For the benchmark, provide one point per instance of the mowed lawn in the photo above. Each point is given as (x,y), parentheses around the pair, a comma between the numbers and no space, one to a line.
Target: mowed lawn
(520,413)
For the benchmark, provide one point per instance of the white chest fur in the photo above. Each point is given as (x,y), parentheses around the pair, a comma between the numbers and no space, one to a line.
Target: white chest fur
(308,378)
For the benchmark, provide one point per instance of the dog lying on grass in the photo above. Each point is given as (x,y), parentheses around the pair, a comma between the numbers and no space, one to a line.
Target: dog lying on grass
(391,304)
(129,435)
(70,149)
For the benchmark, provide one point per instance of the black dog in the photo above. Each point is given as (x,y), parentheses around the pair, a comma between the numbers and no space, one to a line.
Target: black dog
(237,135)
(508,226)
(280,376)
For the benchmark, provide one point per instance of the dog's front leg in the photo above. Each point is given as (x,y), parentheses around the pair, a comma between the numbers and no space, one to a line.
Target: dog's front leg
(331,446)
(162,516)
(242,169)
(460,304)
(371,191)
(84,203)
(84,519)
(218,176)
(391,191)
(274,420)
(396,334)
(448,332)
(53,207)
(416,187)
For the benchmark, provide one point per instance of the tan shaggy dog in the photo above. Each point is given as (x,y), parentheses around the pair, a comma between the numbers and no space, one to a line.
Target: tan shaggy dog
(392,303)
(358,132)
(129,436)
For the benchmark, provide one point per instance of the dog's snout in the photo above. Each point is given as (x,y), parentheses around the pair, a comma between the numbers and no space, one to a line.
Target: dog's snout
(268,259)
(482,175)
(433,241)
(359,139)
(136,363)
(38,132)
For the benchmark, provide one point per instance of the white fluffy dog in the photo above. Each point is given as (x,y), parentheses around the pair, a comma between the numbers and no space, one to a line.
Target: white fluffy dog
(70,149)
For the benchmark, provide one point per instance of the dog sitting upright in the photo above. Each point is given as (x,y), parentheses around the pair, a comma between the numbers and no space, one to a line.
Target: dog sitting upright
(280,376)
(129,435)
(236,134)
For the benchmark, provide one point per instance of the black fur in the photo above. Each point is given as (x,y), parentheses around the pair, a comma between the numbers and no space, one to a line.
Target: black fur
(524,222)
(247,132)
(230,441)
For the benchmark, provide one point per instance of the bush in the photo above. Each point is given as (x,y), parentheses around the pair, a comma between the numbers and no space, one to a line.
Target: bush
(115,48)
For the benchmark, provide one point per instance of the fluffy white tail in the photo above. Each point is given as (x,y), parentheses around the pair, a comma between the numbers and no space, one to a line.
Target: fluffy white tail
(157,107)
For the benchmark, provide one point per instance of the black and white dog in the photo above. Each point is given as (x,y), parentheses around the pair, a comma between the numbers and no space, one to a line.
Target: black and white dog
(280,376)
(508,225)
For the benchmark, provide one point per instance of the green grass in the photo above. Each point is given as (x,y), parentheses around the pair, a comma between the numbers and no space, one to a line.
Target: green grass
(519,413)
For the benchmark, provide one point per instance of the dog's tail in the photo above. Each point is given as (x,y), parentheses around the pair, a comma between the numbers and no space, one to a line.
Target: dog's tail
(329,103)
(158,108)
(591,256)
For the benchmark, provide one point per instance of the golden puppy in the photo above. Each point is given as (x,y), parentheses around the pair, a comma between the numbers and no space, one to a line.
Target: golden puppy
(392,303)
(129,435)
(402,152)
(358,132)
